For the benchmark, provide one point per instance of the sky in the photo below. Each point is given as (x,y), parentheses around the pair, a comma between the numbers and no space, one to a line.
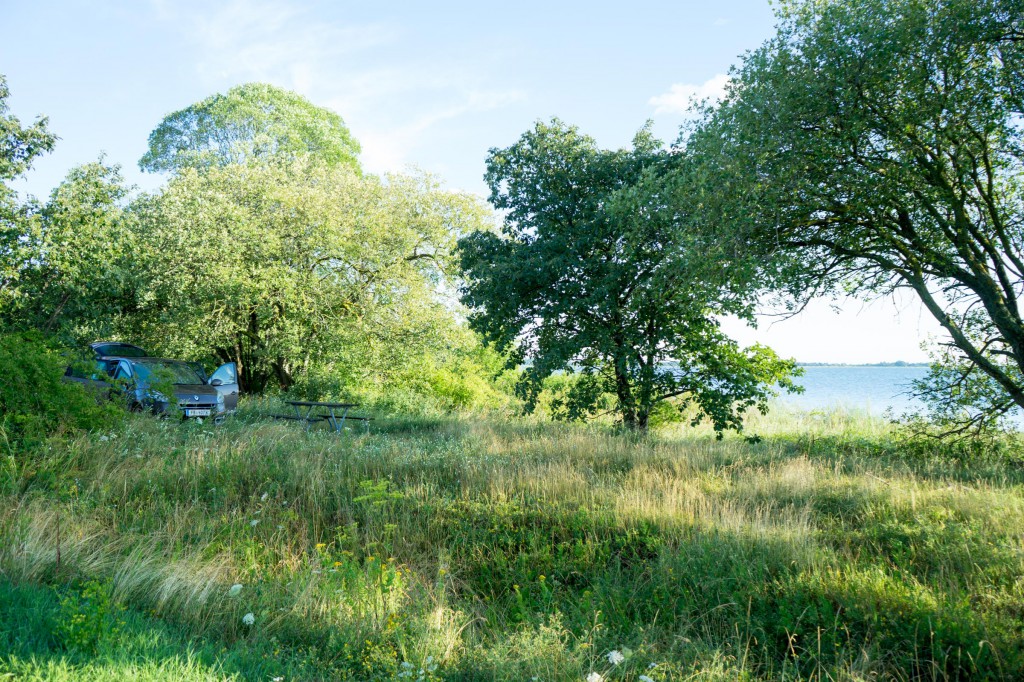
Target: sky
(421,85)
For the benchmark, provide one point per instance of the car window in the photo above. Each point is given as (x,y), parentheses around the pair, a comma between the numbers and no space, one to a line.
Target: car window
(122,350)
(122,371)
(174,371)
(228,374)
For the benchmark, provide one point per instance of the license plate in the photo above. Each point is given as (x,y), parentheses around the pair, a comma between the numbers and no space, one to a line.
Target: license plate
(205,412)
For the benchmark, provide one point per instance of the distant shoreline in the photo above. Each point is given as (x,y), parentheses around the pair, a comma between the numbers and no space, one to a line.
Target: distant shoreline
(898,363)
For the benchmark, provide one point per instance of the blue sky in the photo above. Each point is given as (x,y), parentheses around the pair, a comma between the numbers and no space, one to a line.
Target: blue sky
(431,85)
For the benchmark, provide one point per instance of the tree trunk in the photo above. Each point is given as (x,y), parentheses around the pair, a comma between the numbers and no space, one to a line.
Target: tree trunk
(624,393)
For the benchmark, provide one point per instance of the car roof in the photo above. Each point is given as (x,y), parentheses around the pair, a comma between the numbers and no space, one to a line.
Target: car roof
(132,358)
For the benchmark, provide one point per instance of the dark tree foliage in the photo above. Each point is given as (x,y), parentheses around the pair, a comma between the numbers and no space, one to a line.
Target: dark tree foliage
(878,145)
(592,274)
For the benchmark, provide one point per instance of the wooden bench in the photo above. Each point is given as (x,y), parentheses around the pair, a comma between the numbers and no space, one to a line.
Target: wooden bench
(336,422)
(293,418)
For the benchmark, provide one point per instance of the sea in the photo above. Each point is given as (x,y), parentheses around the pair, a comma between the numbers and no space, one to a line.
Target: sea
(874,389)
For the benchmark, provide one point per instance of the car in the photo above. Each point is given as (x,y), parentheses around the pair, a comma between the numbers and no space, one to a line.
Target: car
(196,395)
(116,349)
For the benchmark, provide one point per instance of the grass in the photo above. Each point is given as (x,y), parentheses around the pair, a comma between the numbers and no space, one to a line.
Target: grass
(486,549)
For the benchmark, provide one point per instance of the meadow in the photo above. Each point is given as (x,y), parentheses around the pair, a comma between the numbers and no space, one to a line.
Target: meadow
(488,548)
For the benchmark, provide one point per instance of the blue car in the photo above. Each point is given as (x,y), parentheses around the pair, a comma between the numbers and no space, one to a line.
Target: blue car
(196,395)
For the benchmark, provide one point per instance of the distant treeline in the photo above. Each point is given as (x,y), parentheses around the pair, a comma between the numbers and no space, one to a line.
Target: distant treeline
(898,363)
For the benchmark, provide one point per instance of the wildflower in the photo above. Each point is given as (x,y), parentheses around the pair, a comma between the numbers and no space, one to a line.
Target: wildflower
(595,677)
(104,438)
(652,666)
(615,657)
(645,678)
(279,678)
(254,523)
(235,589)
(248,619)
(263,497)
(320,545)
(280,527)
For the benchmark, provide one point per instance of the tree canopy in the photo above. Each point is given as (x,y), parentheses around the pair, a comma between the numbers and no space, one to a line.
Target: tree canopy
(591,274)
(251,122)
(876,145)
(19,147)
(296,267)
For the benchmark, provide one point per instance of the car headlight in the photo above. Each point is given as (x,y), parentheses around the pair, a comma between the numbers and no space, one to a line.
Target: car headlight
(220,399)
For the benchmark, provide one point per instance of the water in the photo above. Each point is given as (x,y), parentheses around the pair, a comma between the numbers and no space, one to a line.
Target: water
(872,389)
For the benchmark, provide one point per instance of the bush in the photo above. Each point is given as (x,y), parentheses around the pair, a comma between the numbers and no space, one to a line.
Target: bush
(35,401)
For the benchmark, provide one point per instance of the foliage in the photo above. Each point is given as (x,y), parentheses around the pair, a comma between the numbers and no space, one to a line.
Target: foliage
(877,145)
(19,147)
(89,617)
(591,274)
(35,402)
(251,123)
(299,267)
(77,269)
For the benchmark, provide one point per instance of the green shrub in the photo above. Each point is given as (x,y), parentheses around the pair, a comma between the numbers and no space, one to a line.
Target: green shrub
(35,401)
(89,617)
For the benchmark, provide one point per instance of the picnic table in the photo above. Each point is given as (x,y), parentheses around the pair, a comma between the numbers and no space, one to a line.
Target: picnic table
(327,412)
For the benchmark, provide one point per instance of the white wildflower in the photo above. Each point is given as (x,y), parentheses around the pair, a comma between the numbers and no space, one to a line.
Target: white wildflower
(254,523)
(104,438)
(279,678)
(615,657)
(595,677)
(235,589)
(652,666)
(645,678)
(248,619)
(264,496)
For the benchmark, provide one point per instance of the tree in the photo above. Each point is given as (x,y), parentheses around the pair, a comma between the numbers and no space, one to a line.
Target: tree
(19,147)
(591,274)
(251,122)
(78,264)
(297,269)
(877,145)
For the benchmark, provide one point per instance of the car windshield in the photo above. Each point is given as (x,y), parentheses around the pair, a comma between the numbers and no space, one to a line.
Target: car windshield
(122,350)
(168,370)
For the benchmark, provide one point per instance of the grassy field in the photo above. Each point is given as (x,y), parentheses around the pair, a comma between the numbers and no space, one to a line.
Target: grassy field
(486,549)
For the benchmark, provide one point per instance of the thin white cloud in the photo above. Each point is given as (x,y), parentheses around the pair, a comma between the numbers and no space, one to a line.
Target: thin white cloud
(386,150)
(681,96)
(350,68)
(268,41)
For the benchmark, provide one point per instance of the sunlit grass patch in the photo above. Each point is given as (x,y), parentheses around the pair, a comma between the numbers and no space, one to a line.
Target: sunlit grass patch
(519,549)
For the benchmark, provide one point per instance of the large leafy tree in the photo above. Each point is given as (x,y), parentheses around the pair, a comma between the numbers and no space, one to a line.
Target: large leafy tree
(878,145)
(79,267)
(296,268)
(593,274)
(19,147)
(251,122)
